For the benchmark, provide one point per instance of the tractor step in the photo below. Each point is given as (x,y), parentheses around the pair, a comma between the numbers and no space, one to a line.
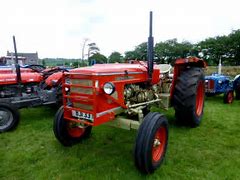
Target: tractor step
(124,123)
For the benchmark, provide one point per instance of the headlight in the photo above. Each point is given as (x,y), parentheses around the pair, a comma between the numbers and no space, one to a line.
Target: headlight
(219,81)
(67,89)
(109,88)
(206,80)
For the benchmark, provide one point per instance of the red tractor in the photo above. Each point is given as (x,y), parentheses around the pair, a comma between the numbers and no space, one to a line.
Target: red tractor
(28,86)
(109,93)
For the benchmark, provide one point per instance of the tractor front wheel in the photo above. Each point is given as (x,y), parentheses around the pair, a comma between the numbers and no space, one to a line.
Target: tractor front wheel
(68,132)
(151,142)
(188,98)
(228,97)
(9,117)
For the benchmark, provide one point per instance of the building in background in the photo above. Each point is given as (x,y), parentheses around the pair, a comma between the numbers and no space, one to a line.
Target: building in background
(31,58)
(10,60)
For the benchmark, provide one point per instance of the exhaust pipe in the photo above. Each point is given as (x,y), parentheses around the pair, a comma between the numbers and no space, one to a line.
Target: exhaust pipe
(18,71)
(220,66)
(150,51)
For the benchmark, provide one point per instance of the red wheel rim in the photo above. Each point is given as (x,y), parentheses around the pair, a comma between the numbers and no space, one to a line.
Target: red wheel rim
(199,98)
(74,131)
(230,97)
(159,144)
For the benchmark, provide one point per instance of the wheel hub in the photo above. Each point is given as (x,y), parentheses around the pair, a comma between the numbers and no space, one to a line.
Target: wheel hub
(6,118)
(156,143)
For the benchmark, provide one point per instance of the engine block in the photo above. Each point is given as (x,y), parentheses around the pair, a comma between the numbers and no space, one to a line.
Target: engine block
(136,94)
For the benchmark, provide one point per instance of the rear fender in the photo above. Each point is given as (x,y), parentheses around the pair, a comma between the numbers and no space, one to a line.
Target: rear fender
(236,81)
(54,79)
(181,64)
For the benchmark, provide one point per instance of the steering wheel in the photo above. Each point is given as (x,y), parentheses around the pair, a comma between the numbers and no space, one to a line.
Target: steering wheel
(36,67)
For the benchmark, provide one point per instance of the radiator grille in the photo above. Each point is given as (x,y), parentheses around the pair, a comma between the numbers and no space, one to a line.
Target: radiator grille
(82,82)
(88,91)
(83,106)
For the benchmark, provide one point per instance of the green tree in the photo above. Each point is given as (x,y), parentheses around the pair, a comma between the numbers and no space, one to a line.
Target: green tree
(99,58)
(43,62)
(115,57)
(130,55)
(75,64)
(92,49)
(170,50)
(140,52)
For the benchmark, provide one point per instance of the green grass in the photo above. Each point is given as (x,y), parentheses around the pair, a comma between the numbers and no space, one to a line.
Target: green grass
(211,151)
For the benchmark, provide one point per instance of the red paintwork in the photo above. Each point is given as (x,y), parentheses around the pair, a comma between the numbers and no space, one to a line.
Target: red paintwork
(110,68)
(230,97)
(7,79)
(158,151)
(8,76)
(10,70)
(191,60)
(211,84)
(200,98)
(74,131)
(119,74)
(56,78)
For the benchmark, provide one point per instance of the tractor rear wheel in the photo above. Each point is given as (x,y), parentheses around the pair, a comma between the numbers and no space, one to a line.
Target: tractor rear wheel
(237,92)
(228,97)
(188,97)
(67,132)
(151,142)
(9,117)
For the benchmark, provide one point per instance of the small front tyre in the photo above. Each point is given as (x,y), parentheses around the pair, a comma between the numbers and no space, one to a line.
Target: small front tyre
(68,132)
(151,142)
(228,97)
(9,117)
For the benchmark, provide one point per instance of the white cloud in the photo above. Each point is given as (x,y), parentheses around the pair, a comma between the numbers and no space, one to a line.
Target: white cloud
(57,28)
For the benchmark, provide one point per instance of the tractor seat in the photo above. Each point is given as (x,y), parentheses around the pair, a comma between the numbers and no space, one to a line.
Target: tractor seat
(164,68)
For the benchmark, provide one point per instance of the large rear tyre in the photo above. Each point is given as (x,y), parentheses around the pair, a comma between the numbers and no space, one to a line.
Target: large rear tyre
(9,117)
(188,98)
(236,86)
(237,92)
(228,97)
(151,142)
(67,132)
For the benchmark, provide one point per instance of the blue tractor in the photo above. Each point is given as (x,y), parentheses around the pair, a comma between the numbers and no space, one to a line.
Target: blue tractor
(218,83)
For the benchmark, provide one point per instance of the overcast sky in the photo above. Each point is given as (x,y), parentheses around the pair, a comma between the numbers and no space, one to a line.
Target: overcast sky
(56,28)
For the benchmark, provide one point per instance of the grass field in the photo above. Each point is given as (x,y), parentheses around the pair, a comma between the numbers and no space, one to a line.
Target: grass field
(211,151)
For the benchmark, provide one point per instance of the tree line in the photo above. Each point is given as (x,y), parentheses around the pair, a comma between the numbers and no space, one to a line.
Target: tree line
(226,48)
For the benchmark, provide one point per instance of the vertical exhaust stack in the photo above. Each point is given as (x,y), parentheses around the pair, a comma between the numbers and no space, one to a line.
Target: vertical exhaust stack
(150,51)
(18,71)
(220,66)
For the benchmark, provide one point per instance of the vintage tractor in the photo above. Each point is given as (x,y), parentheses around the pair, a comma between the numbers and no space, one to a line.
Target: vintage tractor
(217,83)
(112,93)
(28,86)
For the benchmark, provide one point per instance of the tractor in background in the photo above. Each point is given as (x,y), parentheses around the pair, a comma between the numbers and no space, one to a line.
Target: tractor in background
(112,93)
(217,83)
(27,86)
